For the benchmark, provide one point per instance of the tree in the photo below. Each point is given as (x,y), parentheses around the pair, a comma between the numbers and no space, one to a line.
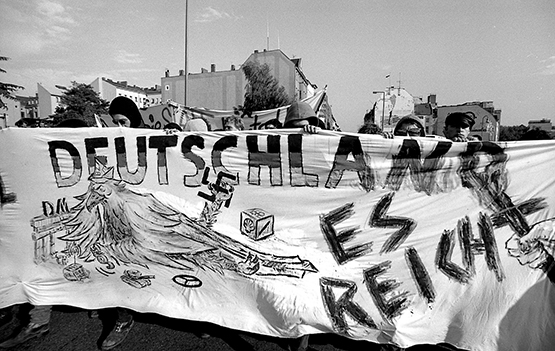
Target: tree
(536,134)
(263,91)
(81,102)
(7,89)
(511,133)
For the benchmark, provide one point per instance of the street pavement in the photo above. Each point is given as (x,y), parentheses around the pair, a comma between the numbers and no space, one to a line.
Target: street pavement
(72,329)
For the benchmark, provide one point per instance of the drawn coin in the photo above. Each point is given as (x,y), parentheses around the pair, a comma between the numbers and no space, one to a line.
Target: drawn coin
(187,281)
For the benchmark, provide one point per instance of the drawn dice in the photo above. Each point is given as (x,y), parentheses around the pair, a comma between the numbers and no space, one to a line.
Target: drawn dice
(257,224)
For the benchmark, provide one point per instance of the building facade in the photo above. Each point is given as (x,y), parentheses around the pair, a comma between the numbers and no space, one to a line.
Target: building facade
(48,99)
(143,97)
(542,124)
(19,108)
(487,120)
(223,90)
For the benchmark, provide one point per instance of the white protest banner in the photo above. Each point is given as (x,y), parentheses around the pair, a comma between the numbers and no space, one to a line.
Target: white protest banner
(403,241)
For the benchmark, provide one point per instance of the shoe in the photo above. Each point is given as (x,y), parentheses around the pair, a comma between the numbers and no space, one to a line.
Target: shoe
(29,332)
(117,335)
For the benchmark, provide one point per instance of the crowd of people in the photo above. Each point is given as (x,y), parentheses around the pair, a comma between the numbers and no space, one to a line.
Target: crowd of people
(124,113)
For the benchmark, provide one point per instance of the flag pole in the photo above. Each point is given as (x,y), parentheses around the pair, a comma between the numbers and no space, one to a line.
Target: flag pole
(267,33)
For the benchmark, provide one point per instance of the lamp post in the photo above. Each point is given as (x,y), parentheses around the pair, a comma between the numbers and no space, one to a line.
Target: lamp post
(185,53)
(383,106)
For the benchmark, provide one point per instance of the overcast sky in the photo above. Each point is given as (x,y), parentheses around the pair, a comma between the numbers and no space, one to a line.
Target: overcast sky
(461,50)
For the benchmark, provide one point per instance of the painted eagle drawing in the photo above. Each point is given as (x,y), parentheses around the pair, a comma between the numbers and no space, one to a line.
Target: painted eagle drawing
(114,223)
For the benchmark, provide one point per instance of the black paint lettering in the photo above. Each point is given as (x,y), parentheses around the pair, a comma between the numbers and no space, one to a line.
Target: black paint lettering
(91,144)
(337,240)
(473,149)
(389,308)
(526,208)
(61,206)
(422,175)
(127,176)
(255,124)
(5,197)
(161,143)
(380,219)
(444,261)
(420,275)
(428,172)
(493,261)
(351,145)
(489,188)
(409,156)
(257,159)
(193,180)
(73,178)
(337,307)
(470,247)
(47,208)
(298,177)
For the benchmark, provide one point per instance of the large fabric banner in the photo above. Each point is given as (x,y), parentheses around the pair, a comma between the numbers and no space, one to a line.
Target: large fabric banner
(403,241)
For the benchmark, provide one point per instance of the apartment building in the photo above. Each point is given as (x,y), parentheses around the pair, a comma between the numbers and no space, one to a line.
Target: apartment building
(225,89)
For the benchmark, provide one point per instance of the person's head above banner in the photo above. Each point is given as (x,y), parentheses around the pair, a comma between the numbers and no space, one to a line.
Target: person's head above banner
(125,113)
(196,125)
(300,114)
(409,126)
(458,126)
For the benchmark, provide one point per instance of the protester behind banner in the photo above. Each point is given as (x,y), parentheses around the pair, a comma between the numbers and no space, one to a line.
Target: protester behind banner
(271,124)
(233,123)
(458,126)
(409,126)
(197,125)
(370,128)
(301,115)
(125,113)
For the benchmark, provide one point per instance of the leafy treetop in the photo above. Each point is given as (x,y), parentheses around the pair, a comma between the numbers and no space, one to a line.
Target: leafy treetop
(522,132)
(6,89)
(80,101)
(263,91)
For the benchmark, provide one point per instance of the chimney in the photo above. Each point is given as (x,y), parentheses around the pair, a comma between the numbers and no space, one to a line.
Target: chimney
(167,73)
(181,72)
(233,67)
(213,67)
(256,51)
(203,70)
(432,99)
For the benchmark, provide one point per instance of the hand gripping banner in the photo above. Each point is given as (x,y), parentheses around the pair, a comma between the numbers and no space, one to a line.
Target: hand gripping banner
(403,241)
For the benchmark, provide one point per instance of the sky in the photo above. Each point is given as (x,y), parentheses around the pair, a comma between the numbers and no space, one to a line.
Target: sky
(461,50)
